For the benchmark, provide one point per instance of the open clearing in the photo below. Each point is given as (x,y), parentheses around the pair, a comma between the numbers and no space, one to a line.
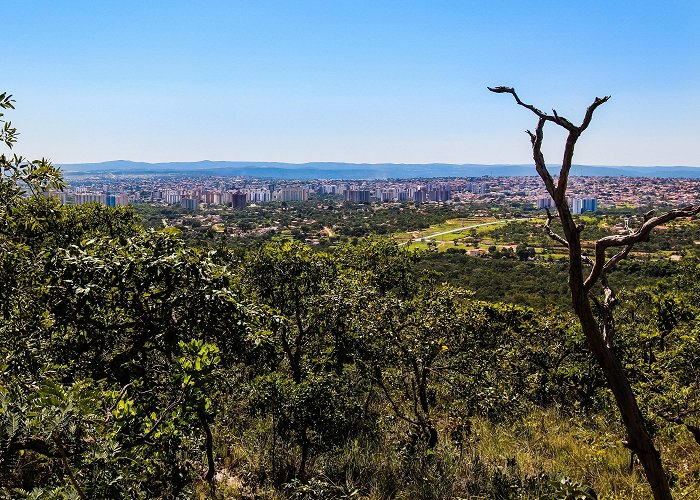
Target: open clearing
(451,231)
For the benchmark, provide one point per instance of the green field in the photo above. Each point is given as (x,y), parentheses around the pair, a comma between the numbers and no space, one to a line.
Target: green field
(448,225)
(470,227)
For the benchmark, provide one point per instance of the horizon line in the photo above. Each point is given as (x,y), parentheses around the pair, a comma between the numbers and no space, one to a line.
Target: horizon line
(525,164)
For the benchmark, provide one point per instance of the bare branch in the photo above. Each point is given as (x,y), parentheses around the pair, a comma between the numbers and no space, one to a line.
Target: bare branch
(599,332)
(540,164)
(629,240)
(574,133)
(551,233)
(560,239)
(589,112)
(511,90)
(555,118)
(610,264)
(566,163)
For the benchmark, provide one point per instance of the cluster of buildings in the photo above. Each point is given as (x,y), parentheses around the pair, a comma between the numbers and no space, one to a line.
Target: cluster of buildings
(191,198)
(388,192)
(576,205)
(79,197)
(587,194)
(416,195)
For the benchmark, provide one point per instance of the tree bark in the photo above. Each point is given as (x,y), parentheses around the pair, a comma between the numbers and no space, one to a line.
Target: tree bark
(639,439)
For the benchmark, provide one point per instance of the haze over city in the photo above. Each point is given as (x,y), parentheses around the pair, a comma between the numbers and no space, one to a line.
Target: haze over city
(395,82)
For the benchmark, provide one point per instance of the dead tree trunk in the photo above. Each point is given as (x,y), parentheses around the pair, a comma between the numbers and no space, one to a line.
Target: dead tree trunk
(599,333)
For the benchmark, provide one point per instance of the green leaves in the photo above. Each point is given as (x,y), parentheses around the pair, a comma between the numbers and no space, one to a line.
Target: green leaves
(8,134)
(90,297)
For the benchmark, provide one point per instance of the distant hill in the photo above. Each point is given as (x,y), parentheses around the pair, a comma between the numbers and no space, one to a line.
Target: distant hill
(332,170)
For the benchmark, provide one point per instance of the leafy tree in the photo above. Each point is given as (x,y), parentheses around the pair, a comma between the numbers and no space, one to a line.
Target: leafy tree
(409,338)
(111,339)
(314,394)
(662,346)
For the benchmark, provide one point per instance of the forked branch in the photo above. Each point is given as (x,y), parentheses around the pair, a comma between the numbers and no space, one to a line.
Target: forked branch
(558,193)
(554,117)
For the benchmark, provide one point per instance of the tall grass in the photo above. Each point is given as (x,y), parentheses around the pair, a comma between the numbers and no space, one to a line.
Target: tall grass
(543,455)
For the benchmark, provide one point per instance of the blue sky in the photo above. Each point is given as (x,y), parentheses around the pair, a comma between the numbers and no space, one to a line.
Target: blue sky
(358,81)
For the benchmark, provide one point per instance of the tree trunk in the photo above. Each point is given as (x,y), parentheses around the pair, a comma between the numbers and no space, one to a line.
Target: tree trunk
(640,441)
(301,474)
(209,447)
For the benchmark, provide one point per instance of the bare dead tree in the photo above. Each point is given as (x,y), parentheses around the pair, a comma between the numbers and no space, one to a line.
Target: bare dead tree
(599,332)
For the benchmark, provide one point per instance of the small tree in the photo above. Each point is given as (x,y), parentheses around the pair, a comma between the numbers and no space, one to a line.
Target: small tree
(110,369)
(600,331)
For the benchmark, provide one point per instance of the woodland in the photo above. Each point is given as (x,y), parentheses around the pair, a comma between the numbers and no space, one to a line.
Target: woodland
(135,363)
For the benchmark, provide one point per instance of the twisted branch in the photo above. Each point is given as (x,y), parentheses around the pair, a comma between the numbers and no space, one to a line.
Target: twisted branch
(551,233)
(629,240)
(560,239)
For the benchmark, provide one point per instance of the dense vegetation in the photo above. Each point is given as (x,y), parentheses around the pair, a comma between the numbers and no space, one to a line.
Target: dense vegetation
(136,365)
(328,220)
(535,283)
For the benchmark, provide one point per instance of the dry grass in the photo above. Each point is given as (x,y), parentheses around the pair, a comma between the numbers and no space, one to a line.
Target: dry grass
(493,459)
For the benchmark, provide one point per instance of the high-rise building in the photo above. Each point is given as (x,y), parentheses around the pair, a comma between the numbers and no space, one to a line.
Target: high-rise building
(238,200)
(82,198)
(172,197)
(576,205)
(580,205)
(590,205)
(291,194)
(116,200)
(190,203)
(211,197)
(357,195)
(545,202)
(439,195)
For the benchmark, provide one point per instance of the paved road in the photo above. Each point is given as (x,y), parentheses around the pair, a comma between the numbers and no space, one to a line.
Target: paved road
(423,238)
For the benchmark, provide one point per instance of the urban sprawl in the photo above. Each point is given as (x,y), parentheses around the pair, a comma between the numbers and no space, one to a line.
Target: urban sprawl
(585,193)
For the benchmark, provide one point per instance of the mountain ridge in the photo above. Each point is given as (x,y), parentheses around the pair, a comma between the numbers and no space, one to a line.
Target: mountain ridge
(343,170)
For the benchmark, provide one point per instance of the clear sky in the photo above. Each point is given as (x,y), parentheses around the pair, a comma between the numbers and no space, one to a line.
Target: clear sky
(350,80)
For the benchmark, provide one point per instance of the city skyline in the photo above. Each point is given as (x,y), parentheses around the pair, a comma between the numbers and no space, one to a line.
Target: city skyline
(609,192)
(366,82)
